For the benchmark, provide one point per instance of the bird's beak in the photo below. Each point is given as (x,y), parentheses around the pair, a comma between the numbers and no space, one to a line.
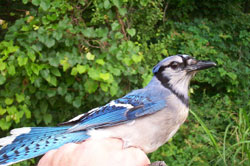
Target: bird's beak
(200,65)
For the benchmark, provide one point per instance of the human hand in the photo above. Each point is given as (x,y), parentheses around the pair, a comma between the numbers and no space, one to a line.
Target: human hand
(93,152)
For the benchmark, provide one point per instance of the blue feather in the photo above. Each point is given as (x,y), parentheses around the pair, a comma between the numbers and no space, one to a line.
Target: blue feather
(37,142)
(119,111)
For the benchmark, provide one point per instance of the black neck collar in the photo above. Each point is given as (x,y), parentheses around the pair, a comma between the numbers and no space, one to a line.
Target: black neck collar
(165,82)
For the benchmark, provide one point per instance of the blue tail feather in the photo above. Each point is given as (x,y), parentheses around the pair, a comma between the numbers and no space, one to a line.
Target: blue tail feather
(31,142)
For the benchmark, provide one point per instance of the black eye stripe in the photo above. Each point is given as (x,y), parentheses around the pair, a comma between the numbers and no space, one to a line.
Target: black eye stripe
(180,65)
(169,65)
(162,68)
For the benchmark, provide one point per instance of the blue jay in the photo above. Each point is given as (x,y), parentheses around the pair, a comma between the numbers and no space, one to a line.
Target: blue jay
(144,118)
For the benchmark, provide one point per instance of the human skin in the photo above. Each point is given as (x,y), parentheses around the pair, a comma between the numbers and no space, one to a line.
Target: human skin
(95,152)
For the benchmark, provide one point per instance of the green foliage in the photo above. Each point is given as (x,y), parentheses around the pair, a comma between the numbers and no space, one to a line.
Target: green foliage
(60,58)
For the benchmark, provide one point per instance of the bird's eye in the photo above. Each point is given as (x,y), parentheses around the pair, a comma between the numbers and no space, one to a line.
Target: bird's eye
(174,65)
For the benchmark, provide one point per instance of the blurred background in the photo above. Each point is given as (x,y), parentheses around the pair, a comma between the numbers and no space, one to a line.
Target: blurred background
(60,58)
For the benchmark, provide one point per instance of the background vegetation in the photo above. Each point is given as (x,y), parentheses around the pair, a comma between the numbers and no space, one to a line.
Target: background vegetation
(59,58)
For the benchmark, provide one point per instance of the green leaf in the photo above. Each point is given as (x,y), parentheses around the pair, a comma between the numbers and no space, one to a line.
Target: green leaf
(55,72)
(122,11)
(89,32)
(94,74)
(104,87)
(69,98)
(77,102)
(5,125)
(52,80)
(47,118)
(2,110)
(11,70)
(2,65)
(32,56)
(8,101)
(57,35)
(19,97)
(65,64)
(82,2)
(36,2)
(102,32)
(115,26)
(117,3)
(113,89)
(74,71)
(105,76)
(100,62)
(54,61)
(107,4)
(12,110)
(25,1)
(27,112)
(146,79)
(45,4)
(22,60)
(222,71)
(118,35)
(90,86)
(50,93)
(25,28)
(2,79)
(131,32)
(36,68)
(81,69)
(128,61)
(137,58)
(116,72)
(62,90)
(90,56)
(42,37)
(50,42)
(43,106)
(232,75)
(45,73)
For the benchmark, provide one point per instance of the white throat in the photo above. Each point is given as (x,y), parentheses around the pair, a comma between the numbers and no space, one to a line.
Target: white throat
(180,83)
(180,86)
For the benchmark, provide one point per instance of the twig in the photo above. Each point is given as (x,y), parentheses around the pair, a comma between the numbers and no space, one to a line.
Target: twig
(90,45)
(122,24)
(79,47)
(102,46)
(86,6)
(21,10)
(165,10)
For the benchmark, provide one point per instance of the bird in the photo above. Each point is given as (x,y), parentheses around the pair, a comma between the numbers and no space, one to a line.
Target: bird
(144,118)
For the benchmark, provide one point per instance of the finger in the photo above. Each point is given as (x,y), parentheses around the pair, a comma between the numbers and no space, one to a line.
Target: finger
(131,156)
(135,156)
(47,158)
(97,151)
(64,154)
(81,155)
(127,157)
(90,152)
(111,143)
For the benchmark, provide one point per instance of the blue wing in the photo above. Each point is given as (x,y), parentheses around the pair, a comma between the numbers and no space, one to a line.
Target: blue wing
(117,112)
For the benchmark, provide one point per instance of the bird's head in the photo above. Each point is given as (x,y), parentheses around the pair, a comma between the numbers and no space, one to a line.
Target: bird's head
(175,72)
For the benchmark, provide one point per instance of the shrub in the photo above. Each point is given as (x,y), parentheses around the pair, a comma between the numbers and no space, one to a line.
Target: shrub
(61,58)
